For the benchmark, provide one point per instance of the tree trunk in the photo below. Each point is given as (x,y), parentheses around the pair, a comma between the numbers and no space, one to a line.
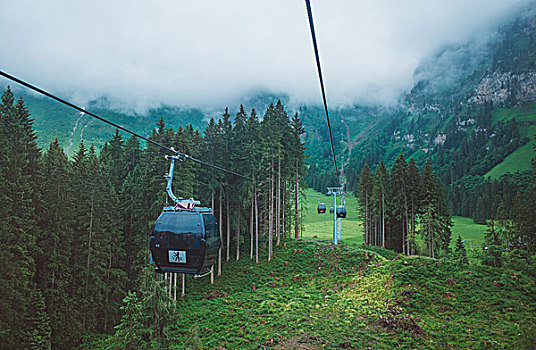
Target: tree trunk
(376,233)
(383,221)
(212,208)
(256,227)
(228,216)
(403,236)
(412,243)
(220,214)
(238,237)
(296,206)
(301,219)
(89,240)
(407,230)
(251,220)
(271,215)
(278,203)
(284,231)
(430,234)
(367,238)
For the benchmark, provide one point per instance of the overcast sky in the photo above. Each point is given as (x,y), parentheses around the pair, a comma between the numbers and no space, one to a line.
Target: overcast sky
(210,53)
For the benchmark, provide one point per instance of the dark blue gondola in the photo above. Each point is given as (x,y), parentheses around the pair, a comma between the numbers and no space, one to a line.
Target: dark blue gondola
(184,238)
(321,208)
(185,241)
(331,210)
(341,211)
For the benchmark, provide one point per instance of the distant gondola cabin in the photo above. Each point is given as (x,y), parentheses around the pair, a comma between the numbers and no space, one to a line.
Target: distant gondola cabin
(321,208)
(341,211)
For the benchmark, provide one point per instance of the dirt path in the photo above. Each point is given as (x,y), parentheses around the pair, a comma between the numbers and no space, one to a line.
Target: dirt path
(77,121)
(360,138)
(84,128)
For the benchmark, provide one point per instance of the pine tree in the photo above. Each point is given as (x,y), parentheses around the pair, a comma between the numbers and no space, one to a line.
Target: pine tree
(226,135)
(239,187)
(53,272)
(430,228)
(20,172)
(399,211)
(39,324)
(493,246)
(381,184)
(129,333)
(253,150)
(298,156)
(435,212)
(414,190)
(365,192)
(459,252)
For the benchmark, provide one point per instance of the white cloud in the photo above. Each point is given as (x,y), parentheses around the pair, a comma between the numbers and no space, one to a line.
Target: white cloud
(210,53)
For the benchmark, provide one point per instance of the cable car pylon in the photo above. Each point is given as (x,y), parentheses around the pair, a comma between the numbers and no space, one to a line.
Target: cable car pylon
(336,191)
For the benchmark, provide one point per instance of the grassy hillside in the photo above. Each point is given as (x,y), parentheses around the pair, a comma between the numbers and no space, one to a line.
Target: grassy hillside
(519,160)
(313,296)
(467,229)
(54,120)
(524,113)
(321,225)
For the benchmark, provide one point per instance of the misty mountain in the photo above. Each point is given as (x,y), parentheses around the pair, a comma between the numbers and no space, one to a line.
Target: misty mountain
(463,92)
(472,111)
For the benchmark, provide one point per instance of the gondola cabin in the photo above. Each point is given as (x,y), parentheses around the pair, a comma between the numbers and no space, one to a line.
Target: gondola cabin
(185,241)
(321,208)
(341,211)
(331,210)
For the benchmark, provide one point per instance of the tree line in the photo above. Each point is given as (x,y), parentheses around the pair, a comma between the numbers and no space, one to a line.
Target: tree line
(399,204)
(511,233)
(74,232)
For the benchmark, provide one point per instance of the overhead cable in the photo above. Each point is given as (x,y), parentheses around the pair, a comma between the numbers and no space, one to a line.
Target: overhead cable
(80,109)
(312,26)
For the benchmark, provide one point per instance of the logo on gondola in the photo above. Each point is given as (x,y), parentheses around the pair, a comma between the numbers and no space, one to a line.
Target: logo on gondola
(177,256)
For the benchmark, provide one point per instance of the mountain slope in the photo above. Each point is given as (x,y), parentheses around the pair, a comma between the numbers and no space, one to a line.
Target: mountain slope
(314,295)
(54,120)
(473,110)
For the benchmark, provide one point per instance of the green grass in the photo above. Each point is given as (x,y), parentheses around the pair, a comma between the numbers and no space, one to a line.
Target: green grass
(526,112)
(519,160)
(314,295)
(467,229)
(321,225)
(528,131)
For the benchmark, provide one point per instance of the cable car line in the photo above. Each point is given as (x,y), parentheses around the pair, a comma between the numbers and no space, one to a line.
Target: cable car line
(313,35)
(169,149)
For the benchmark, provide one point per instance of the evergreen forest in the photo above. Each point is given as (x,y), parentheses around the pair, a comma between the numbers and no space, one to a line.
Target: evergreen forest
(75,231)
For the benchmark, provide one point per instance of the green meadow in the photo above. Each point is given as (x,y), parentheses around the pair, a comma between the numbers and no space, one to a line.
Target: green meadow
(519,160)
(313,295)
(320,226)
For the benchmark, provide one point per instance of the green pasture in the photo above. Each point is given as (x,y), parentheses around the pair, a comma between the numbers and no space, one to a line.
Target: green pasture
(321,225)
(468,230)
(524,113)
(528,131)
(519,160)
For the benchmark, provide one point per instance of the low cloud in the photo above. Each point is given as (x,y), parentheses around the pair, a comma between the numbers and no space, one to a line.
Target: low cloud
(211,53)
